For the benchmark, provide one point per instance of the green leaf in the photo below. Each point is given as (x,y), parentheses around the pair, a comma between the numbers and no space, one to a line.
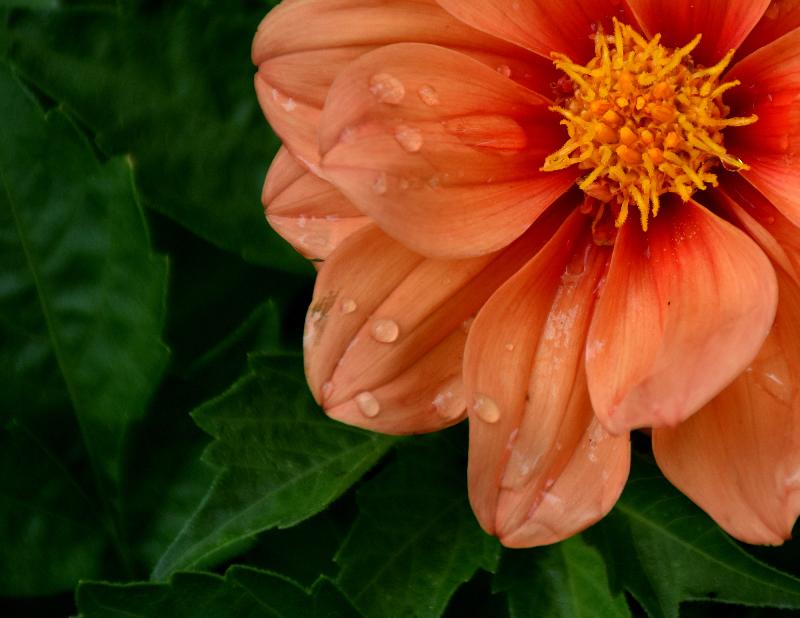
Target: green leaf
(665,551)
(281,460)
(242,593)
(566,580)
(171,84)
(81,314)
(415,539)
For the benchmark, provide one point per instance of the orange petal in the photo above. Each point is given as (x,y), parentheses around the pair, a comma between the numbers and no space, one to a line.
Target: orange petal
(386,329)
(751,211)
(739,457)
(781,17)
(302,45)
(685,308)
(439,150)
(306,210)
(541,467)
(724,24)
(771,76)
(542,26)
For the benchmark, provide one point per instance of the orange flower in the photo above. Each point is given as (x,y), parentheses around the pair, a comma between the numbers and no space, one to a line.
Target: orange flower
(607,187)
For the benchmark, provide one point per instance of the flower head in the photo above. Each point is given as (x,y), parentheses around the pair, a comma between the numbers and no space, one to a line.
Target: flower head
(567,220)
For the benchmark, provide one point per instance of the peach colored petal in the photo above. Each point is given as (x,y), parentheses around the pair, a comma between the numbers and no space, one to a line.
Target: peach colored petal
(302,45)
(723,23)
(684,309)
(542,26)
(541,467)
(751,211)
(453,176)
(780,17)
(306,210)
(770,146)
(739,457)
(386,329)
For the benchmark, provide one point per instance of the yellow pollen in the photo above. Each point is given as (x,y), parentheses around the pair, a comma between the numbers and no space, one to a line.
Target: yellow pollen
(643,120)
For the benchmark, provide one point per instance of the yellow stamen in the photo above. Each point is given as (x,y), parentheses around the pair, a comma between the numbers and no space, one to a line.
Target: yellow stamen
(643,120)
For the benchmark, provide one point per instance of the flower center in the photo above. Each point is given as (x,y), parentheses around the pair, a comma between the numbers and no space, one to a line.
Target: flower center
(645,120)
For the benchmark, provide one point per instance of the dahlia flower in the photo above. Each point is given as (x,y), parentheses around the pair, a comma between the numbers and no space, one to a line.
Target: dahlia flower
(563,219)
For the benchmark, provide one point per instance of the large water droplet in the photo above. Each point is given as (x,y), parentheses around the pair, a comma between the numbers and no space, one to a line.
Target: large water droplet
(410,138)
(486,408)
(367,404)
(429,95)
(387,88)
(385,331)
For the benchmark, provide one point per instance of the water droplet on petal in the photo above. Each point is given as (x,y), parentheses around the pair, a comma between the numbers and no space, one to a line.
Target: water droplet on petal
(349,305)
(467,324)
(486,409)
(385,331)
(429,95)
(504,70)
(510,347)
(410,138)
(367,404)
(327,389)
(380,184)
(387,88)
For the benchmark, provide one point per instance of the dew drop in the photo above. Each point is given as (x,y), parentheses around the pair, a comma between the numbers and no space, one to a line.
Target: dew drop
(327,389)
(380,184)
(510,347)
(349,305)
(504,70)
(367,404)
(385,331)
(387,88)
(486,408)
(467,324)
(429,95)
(410,138)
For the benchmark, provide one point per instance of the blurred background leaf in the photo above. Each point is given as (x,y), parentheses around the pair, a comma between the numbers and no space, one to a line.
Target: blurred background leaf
(415,539)
(81,315)
(170,83)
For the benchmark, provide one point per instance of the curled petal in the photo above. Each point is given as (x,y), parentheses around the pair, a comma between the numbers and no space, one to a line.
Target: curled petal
(739,457)
(306,210)
(442,152)
(772,76)
(385,332)
(541,467)
(542,26)
(723,23)
(302,45)
(684,309)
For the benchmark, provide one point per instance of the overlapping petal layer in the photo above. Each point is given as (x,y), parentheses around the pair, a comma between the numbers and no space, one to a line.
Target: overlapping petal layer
(534,442)
(684,309)
(386,329)
(772,75)
(302,45)
(439,150)
(306,210)
(541,26)
(724,24)
(739,457)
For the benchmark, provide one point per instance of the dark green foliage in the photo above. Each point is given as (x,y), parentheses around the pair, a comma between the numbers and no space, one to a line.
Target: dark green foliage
(160,454)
